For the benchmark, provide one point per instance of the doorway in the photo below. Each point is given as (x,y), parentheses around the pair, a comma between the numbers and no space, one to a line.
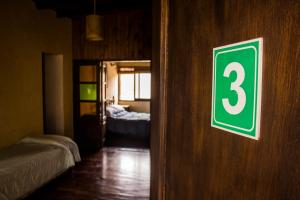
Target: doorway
(128,95)
(112,120)
(112,103)
(53,100)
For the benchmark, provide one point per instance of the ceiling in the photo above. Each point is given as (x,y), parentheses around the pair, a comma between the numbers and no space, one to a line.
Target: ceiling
(78,8)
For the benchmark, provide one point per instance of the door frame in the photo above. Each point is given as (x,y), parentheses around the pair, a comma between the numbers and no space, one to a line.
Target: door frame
(159,109)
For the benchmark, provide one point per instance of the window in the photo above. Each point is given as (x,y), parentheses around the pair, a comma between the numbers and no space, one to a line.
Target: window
(127,87)
(142,86)
(135,86)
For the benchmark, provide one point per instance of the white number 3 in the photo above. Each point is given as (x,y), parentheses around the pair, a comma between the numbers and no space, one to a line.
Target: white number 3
(239,106)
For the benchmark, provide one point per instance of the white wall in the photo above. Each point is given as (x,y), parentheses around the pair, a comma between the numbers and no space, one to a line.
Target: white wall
(137,106)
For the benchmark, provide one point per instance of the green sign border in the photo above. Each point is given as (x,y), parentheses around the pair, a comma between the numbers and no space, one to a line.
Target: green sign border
(257,88)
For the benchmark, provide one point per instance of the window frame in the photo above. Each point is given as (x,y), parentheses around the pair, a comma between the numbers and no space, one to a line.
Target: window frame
(134,72)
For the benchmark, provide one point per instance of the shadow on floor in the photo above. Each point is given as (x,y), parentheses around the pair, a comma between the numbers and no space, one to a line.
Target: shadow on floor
(115,140)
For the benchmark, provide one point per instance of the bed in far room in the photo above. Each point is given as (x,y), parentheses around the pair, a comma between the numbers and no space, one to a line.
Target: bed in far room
(132,125)
(33,162)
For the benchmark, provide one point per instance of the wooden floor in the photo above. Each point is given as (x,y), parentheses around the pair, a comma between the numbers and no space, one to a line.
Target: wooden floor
(110,174)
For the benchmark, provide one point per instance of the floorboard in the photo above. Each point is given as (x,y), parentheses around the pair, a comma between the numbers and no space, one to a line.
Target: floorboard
(111,174)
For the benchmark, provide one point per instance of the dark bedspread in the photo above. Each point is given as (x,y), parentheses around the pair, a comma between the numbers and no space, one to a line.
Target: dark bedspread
(131,124)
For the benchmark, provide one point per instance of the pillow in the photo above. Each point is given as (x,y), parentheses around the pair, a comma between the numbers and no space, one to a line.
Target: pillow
(110,111)
(118,108)
(113,110)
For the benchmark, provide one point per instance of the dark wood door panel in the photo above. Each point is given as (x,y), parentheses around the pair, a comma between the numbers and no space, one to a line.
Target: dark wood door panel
(208,163)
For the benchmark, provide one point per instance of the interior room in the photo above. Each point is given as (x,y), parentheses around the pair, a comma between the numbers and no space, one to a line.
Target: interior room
(112,103)
(128,89)
(152,99)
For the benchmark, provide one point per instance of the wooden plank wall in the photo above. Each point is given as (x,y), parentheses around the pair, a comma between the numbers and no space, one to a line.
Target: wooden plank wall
(127,35)
(207,163)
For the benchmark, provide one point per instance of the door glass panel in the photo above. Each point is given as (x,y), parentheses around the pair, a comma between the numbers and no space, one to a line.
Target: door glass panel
(88,73)
(88,109)
(88,92)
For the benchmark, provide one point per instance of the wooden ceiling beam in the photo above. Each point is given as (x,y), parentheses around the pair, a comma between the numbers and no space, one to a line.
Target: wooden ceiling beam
(77,8)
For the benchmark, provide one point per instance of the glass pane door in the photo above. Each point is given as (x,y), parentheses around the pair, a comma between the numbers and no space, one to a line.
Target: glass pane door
(88,89)
(87,103)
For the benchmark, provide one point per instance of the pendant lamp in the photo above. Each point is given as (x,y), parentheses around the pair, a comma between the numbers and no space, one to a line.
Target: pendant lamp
(94,23)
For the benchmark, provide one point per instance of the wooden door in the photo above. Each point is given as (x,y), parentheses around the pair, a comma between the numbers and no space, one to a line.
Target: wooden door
(88,104)
(208,163)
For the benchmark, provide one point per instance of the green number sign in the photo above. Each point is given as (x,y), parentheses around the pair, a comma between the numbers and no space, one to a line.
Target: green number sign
(236,88)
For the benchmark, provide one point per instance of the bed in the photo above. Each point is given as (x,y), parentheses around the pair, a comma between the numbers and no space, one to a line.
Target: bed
(33,162)
(128,124)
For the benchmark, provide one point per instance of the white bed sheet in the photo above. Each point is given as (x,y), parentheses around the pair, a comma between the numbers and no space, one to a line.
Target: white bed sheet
(33,162)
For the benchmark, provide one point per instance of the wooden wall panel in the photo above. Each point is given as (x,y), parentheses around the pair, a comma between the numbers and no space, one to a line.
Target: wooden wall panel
(127,35)
(208,163)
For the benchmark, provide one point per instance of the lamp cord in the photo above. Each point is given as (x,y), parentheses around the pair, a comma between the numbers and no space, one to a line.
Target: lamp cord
(94,7)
